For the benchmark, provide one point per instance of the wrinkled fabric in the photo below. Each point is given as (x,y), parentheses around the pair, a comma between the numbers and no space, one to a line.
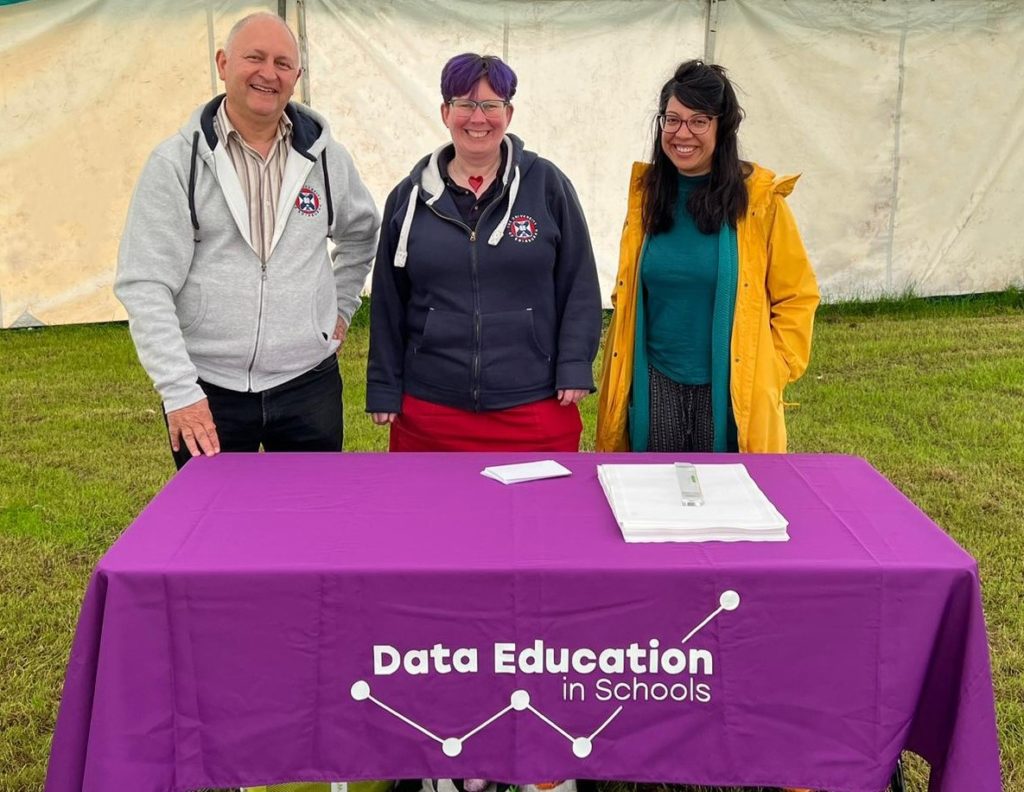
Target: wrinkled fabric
(776,297)
(264,619)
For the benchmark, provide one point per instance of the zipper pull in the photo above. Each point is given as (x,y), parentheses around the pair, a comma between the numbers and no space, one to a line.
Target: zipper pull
(472,236)
(263,269)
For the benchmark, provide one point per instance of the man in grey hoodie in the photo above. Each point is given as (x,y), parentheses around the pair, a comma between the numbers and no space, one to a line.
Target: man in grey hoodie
(234,304)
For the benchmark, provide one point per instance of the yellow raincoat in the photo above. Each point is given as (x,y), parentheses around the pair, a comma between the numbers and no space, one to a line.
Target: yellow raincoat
(776,296)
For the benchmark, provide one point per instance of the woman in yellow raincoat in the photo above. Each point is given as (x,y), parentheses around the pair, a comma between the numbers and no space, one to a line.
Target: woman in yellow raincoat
(715,297)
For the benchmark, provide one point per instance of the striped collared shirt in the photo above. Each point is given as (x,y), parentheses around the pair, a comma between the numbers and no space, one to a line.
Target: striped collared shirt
(260,178)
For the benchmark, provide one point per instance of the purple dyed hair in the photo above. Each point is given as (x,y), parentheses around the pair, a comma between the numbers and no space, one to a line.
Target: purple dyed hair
(463,72)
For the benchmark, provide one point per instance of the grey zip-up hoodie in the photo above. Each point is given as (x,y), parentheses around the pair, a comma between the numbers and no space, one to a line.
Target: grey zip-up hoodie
(200,302)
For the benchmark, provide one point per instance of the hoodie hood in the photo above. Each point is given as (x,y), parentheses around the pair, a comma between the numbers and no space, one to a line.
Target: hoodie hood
(310,131)
(426,184)
(310,135)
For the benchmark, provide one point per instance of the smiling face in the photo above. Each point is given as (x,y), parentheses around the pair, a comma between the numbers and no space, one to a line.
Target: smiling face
(477,137)
(259,67)
(691,154)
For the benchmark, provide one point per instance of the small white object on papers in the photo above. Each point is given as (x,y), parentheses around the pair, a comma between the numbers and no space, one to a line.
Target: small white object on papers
(646,504)
(526,471)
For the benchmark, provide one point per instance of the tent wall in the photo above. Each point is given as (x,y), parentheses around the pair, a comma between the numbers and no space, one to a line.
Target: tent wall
(906,119)
(89,88)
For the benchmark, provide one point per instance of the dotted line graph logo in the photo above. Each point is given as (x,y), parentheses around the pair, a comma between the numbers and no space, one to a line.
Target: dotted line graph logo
(582,746)
(520,701)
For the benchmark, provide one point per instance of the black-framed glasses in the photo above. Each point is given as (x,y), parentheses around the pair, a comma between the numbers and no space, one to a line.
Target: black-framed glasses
(697,124)
(491,108)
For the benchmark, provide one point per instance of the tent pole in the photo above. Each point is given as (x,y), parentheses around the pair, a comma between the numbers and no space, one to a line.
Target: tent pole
(300,7)
(504,38)
(710,29)
(212,46)
(894,198)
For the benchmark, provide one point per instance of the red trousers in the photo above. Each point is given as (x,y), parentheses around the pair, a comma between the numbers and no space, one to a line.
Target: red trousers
(540,426)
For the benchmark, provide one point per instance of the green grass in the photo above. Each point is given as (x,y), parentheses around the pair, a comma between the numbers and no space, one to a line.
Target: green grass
(909,305)
(931,392)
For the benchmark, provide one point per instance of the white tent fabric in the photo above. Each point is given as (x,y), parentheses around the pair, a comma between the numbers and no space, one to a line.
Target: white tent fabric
(907,122)
(89,88)
(905,118)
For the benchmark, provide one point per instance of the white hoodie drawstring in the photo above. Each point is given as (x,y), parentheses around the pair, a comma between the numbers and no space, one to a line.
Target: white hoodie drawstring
(402,252)
(512,192)
(433,185)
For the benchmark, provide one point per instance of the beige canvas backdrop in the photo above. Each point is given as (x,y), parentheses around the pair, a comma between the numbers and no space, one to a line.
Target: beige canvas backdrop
(907,122)
(89,87)
(905,118)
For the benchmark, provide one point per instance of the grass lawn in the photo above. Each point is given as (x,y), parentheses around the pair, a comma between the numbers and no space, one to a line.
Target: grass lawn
(930,392)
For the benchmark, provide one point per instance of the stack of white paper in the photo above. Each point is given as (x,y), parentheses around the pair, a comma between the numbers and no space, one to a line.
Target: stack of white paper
(647,505)
(526,471)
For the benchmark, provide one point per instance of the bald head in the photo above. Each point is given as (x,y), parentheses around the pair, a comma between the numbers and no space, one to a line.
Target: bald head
(259,16)
(259,66)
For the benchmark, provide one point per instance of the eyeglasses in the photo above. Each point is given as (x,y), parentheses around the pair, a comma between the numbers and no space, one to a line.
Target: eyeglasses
(491,108)
(697,124)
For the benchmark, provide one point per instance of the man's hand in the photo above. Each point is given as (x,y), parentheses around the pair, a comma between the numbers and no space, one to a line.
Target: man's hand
(571,396)
(194,424)
(340,331)
(382,419)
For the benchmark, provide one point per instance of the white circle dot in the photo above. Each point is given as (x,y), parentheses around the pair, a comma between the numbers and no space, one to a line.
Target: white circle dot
(360,691)
(452,746)
(582,746)
(520,700)
(729,600)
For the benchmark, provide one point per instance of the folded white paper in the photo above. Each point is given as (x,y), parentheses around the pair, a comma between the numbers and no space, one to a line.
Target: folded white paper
(647,505)
(526,471)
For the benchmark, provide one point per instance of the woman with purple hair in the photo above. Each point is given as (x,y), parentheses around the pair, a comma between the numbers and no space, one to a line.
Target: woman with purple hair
(486,313)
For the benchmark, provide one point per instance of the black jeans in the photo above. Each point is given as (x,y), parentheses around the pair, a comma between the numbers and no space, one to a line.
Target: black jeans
(303,414)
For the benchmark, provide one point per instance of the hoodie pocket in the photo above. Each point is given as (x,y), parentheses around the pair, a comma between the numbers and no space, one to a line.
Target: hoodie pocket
(442,353)
(190,305)
(323,308)
(512,357)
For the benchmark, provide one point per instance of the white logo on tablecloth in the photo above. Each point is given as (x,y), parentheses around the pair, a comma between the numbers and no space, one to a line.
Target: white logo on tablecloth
(535,659)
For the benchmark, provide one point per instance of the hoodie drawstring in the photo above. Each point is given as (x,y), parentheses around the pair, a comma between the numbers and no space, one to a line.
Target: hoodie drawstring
(402,252)
(327,193)
(432,183)
(193,215)
(513,191)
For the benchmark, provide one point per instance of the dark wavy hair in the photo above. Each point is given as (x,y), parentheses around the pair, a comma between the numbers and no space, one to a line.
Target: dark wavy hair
(723,199)
(464,71)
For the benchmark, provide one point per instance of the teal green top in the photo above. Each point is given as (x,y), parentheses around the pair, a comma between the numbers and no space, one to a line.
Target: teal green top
(679,275)
(723,308)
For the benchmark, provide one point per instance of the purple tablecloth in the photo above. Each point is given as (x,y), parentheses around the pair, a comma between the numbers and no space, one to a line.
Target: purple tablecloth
(285,617)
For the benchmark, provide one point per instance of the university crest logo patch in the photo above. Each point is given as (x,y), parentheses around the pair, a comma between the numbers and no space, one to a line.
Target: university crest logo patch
(522,228)
(308,202)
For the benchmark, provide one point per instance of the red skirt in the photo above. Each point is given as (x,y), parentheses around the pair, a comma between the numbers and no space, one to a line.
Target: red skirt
(539,426)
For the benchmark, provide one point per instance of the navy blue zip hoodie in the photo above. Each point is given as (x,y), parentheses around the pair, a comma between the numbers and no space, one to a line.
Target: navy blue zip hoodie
(486,317)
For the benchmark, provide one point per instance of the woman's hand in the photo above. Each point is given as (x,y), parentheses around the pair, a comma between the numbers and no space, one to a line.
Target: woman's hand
(571,396)
(382,419)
